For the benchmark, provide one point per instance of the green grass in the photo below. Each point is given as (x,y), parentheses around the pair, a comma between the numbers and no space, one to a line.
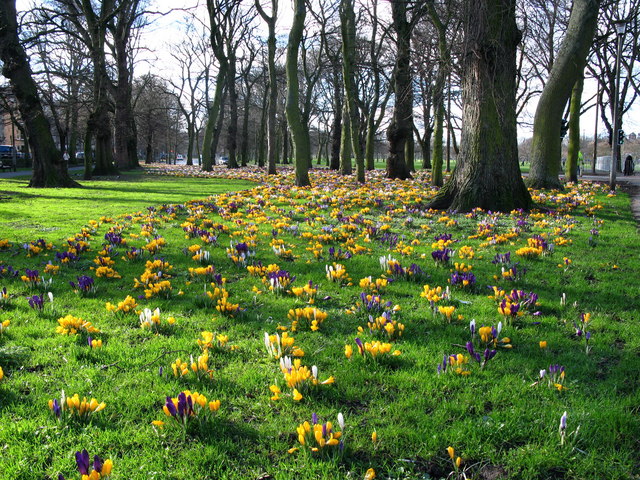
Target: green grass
(55,214)
(497,421)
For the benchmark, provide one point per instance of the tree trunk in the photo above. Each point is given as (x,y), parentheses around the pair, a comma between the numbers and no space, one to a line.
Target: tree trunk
(126,143)
(49,169)
(190,140)
(410,152)
(273,87)
(487,174)
(401,121)
(262,134)
(301,142)
(148,159)
(438,131)
(284,141)
(232,126)
(209,154)
(336,129)
(244,143)
(546,142)
(88,151)
(571,172)
(346,167)
(348,24)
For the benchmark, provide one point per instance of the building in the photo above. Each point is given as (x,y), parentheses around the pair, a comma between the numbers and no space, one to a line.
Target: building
(10,134)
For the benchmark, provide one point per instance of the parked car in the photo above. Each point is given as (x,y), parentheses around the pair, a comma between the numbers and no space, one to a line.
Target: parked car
(7,151)
(224,160)
(7,158)
(80,156)
(179,158)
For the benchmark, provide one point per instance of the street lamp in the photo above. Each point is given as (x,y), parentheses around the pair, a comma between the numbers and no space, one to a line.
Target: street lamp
(620,27)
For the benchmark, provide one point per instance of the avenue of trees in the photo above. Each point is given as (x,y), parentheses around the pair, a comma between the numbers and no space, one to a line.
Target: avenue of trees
(349,82)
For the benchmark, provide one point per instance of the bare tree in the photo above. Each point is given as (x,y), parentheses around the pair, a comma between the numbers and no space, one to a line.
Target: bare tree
(568,65)
(602,68)
(189,56)
(49,170)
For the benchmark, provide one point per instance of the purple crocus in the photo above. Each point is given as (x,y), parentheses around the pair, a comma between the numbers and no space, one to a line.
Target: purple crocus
(502,258)
(32,275)
(444,237)
(97,463)
(113,238)
(171,407)
(65,257)
(36,302)
(314,418)
(57,409)
(242,248)
(82,460)
(85,284)
(489,354)
(8,270)
(442,256)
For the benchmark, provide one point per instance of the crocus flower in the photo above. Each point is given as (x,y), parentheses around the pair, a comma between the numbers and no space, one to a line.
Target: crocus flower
(36,302)
(563,422)
(82,460)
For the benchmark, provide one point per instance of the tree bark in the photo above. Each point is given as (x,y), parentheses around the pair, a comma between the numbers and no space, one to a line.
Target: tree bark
(336,129)
(301,142)
(400,127)
(571,167)
(346,168)
(126,135)
(546,142)
(348,24)
(487,174)
(232,126)
(49,169)
(208,149)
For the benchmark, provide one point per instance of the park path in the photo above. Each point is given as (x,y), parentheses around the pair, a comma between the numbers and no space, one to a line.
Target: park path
(630,184)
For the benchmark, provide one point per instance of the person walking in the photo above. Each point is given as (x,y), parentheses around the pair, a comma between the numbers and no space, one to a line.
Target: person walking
(628,166)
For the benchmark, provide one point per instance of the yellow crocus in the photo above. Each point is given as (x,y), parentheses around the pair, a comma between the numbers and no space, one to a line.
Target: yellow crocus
(348,351)
(451,451)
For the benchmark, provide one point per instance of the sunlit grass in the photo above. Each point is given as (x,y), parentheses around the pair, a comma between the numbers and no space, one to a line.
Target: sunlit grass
(496,418)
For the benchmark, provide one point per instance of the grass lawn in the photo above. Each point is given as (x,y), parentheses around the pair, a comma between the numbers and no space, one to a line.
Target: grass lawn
(306,264)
